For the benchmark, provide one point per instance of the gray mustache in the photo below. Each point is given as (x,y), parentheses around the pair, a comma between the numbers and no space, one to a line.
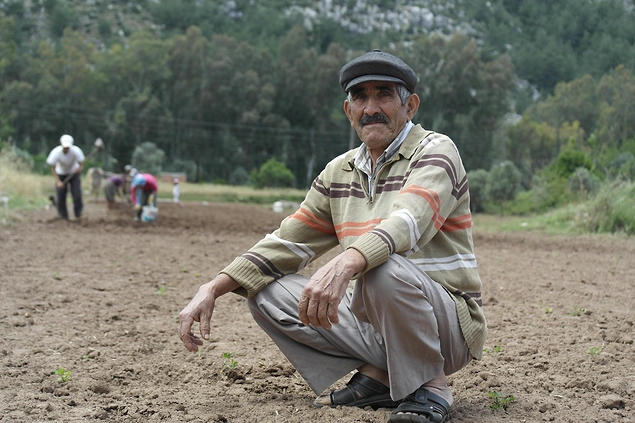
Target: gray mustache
(378,118)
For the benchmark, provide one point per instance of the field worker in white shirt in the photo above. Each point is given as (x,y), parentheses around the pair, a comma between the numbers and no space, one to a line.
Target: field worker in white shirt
(67,162)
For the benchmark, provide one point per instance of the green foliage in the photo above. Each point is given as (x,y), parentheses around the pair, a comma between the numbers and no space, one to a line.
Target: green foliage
(503,183)
(612,209)
(531,142)
(62,17)
(496,349)
(64,375)
(148,158)
(548,190)
(224,84)
(239,176)
(186,166)
(577,311)
(477,180)
(523,204)
(568,161)
(595,350)
(622,167)
(229,362)
(272,174)
(500,401)
(583,183)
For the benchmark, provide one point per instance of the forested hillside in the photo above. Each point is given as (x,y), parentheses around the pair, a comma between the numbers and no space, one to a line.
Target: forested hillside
(222,86)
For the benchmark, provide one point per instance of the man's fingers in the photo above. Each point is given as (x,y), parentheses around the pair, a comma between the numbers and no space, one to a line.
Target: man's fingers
(322,315)
(205,325)
(332,313)
(185,328)
(302,310)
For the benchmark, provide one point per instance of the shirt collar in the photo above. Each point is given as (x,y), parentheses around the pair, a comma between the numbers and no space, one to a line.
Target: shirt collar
(362,158)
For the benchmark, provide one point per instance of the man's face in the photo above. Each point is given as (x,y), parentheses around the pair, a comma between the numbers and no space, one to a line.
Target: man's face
(377,114)
(65,150)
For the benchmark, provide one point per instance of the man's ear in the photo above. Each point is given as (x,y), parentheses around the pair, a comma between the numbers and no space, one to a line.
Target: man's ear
(412,105)
(347,110)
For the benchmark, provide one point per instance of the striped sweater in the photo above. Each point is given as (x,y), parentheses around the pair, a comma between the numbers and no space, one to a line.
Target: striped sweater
(419,209)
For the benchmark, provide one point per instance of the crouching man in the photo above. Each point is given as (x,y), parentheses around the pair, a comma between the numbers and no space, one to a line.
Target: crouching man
(398,207)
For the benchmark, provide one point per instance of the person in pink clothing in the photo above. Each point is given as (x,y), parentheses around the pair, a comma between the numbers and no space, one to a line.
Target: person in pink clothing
(142,188)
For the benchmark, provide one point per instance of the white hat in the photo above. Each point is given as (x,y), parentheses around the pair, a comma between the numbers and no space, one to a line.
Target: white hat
(66,141)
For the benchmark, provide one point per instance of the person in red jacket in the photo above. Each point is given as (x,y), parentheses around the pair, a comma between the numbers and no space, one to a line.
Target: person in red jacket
(143,191)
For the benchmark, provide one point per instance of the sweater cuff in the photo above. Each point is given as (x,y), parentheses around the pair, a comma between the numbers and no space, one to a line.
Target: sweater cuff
(247,275)
(373,248)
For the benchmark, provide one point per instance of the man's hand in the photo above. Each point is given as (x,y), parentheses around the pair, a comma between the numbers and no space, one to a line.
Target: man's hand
(201,308)
(326,288)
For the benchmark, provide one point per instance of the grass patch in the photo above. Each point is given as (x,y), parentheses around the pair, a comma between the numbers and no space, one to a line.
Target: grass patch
(22,189)
(214,193)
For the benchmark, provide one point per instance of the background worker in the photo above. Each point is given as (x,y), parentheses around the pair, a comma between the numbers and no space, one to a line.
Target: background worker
(112,188)
(143,190)
(67,162)
(176,191)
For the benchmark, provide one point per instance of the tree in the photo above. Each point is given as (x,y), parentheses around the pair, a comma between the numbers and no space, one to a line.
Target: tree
(478,189)
(617,116)
(272,174)
(532,143)
(572,101)
(503,183)
(148,158)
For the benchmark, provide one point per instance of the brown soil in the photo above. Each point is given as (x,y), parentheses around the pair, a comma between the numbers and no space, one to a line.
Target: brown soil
(100,299)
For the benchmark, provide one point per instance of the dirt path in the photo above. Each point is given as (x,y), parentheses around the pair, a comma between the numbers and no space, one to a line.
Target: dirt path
(100,299)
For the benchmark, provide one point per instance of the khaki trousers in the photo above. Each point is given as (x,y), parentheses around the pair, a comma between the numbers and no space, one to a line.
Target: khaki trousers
(396,318)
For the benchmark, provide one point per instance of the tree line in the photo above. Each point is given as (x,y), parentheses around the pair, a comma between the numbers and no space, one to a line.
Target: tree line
(223,107)
(222,96)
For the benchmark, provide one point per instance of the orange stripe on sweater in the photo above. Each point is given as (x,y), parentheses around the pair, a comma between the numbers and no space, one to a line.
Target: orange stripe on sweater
(433,200)
(313,221)
(356,228)
(457,223)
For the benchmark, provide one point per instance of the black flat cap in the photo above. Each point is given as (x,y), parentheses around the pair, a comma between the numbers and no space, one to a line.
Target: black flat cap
(377,65)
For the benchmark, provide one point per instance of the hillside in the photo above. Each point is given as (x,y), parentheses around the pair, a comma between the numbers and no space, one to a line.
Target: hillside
(548,43)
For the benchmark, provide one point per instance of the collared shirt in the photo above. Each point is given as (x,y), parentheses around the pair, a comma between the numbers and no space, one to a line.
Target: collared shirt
(364,162)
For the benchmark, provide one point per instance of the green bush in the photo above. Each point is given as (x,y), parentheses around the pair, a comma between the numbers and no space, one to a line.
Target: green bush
(477,180)
(622,167)
(583,183)
(612,209)
(568,161)
(272,174)
(239,176)
(523,204)
(503,183)
(147,158)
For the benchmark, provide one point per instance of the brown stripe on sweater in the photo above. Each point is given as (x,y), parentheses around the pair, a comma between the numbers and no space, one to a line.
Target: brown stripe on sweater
(346,190)
(462,188)
(387,239)
(264,265)
(318,185)
(444,163)
(475,296)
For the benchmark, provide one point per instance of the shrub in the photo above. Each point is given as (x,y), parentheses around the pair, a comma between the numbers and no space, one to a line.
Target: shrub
(503,183)
(239,176)
(623,166)
(568,161)
(148,158)
(477,180)
(582,182)
(272,174)
(612,209)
